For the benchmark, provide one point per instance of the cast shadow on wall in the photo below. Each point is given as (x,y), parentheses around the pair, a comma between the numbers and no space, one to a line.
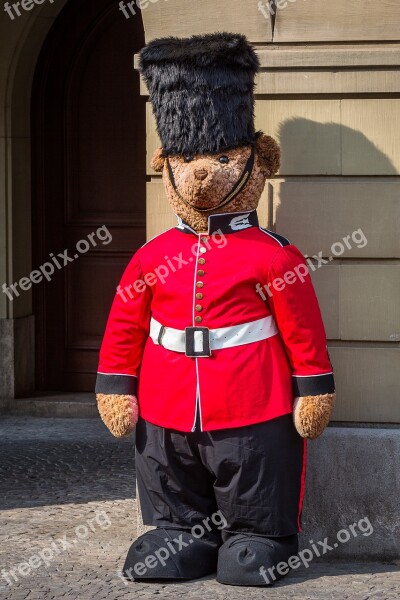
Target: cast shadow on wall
(313,148)
(318,152)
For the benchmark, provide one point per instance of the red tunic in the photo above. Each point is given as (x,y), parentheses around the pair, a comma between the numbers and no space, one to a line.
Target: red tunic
(240,273)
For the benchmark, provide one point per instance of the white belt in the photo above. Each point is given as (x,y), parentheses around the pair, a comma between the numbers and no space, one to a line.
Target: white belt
(200,341)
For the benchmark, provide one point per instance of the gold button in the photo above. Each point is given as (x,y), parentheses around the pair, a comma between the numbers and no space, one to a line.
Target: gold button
(199,296)
(199,284)
(198,319)
(199,307)
(202,250)
(204,240)
(202,261)
(200,272)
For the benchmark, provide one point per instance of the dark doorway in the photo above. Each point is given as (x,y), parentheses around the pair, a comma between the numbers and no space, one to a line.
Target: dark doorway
(88,178)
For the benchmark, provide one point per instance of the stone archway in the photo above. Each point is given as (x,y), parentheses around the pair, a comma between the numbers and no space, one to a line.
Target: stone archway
(24,37)
(22,41)
(88,177)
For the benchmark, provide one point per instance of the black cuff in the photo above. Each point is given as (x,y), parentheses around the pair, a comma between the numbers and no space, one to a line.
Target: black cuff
(313,385)
(116,384)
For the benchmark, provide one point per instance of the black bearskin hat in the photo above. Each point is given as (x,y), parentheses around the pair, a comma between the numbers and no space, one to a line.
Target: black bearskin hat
(201,89)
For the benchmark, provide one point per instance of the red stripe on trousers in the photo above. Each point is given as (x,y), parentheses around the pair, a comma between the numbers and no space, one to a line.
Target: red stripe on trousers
(303,484)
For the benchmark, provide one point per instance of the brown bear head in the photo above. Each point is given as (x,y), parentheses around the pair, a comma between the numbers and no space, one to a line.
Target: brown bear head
(203,181)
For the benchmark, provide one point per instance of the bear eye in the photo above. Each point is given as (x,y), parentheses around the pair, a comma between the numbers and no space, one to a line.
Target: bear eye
(223,160)
(188,158)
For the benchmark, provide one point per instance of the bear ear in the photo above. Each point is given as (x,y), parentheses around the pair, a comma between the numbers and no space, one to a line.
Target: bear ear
(157,161)
(269,154)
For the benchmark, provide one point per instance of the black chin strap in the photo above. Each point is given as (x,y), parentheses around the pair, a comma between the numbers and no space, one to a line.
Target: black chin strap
(237,188)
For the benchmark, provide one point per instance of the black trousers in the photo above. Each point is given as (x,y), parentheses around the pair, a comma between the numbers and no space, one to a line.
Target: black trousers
(253,475)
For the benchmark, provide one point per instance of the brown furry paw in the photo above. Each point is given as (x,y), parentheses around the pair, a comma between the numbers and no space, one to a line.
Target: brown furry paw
(118,412)
(312,413)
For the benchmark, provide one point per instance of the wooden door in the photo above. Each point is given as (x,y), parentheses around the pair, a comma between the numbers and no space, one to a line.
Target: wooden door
(88,158)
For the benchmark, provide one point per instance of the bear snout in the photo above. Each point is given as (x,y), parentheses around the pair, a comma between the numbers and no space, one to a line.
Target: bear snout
(200,174)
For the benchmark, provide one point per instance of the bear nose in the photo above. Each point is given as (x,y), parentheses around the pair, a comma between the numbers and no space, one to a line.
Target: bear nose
(201,174)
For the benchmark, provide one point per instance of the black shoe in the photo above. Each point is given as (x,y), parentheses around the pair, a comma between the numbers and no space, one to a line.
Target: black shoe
(171,554)
(245,559)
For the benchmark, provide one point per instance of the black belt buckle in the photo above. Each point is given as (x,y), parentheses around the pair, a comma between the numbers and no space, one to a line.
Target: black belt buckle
(189,342)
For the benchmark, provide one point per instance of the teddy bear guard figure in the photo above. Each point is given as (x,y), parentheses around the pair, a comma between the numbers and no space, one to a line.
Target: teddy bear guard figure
(215,347)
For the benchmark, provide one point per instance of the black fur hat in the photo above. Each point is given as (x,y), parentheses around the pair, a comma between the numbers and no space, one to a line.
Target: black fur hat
(201,89)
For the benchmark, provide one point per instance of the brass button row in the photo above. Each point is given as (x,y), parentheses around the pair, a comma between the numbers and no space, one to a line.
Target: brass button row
(200,284)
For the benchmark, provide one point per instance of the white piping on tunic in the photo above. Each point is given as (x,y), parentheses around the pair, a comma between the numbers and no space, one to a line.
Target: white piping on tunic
(198,398)
(122,374)
(272,236)
(319,375)
(198,405)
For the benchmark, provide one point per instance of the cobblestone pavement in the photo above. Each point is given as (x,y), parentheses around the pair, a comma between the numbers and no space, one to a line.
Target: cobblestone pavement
(67,498)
